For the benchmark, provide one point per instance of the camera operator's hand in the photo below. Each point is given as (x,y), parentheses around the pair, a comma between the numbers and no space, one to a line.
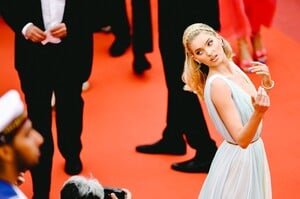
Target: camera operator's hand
(128,193)
(113,196)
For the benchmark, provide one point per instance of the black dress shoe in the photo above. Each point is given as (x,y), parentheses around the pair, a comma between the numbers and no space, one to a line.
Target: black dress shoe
(119,47)
(140,64)
(73,167)
(163,147)
(192,166)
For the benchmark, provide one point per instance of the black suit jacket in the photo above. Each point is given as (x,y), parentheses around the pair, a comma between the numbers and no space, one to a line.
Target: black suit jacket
(77,47)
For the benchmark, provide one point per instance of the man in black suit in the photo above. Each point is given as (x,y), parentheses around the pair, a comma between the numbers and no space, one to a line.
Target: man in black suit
(184,113)
(53,53)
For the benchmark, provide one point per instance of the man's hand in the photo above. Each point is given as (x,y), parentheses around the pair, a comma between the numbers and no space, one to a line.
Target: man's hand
(35,34)
(59,31)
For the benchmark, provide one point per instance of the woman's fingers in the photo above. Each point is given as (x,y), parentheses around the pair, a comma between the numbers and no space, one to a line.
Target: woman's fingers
(262,100)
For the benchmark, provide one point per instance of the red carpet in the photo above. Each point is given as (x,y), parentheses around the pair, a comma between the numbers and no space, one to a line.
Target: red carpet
(122,111)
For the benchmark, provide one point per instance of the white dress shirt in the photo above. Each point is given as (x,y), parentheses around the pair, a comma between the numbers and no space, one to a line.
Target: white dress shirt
(53,11)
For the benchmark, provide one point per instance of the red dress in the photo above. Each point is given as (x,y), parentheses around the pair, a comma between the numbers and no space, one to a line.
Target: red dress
(242,17)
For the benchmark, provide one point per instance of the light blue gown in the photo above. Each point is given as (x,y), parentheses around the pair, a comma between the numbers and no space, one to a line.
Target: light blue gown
(236,173)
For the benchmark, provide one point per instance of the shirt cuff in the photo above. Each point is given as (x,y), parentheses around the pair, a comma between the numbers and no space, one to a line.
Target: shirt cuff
(25,29)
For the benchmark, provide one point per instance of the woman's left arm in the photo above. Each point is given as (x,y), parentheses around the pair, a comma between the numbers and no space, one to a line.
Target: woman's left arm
(263,70)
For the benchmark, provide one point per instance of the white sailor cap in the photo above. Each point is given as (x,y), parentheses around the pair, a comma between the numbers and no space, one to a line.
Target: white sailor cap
(12,113)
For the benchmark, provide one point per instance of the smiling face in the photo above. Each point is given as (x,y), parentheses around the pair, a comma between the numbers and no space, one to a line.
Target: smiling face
(207,48)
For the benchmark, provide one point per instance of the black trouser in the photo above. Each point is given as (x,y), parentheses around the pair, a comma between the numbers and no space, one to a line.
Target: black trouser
(118,19)
(116,15)
(184,113)
(38,82)
(142,38)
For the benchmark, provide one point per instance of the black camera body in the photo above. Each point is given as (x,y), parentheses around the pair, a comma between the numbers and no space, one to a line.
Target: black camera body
(119,192)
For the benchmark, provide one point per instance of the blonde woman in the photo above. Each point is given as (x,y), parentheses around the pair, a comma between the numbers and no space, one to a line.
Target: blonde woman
(240,167)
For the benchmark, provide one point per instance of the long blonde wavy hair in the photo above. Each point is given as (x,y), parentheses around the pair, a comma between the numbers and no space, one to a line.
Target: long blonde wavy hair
(195,74)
